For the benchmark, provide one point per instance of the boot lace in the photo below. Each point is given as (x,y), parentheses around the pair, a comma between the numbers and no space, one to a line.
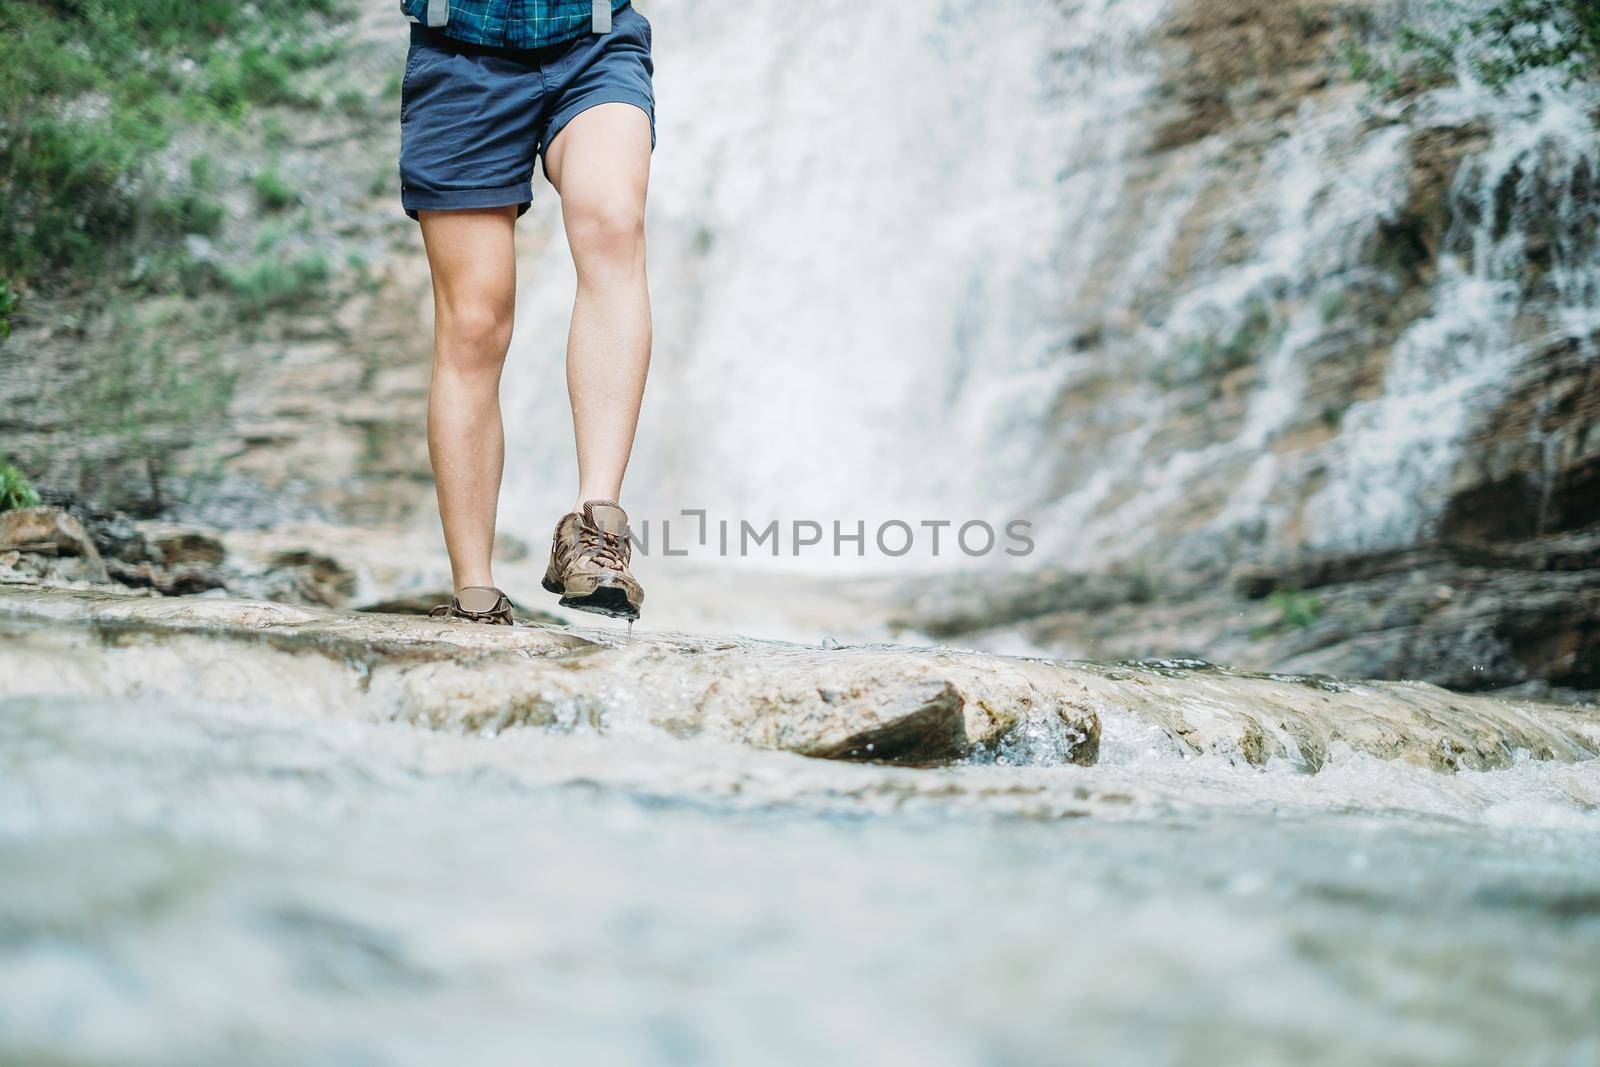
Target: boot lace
(609,550)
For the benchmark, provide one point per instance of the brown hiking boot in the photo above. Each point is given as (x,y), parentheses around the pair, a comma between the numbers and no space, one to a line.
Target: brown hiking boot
(589,562)
(476,603)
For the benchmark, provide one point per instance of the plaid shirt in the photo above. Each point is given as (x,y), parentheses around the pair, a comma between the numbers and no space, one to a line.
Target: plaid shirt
(512,23)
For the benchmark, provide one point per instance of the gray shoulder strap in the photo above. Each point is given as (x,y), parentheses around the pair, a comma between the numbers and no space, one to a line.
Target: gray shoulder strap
(602,16)
(438,12)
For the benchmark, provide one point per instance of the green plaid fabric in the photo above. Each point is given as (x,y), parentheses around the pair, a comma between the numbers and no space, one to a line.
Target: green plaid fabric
(512,23)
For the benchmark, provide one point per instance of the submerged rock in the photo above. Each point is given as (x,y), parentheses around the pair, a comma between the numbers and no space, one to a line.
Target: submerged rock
(871,702)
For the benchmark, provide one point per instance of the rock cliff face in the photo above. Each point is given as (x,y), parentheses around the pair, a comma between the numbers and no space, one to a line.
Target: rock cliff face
(256,395)
(1357,376)
(1367,316)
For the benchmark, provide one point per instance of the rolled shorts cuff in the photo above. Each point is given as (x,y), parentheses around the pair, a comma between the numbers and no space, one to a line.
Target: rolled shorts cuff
(415,200)
(604,95)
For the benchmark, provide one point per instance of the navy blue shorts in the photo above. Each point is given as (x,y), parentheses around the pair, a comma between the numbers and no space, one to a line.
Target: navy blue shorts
(473,118)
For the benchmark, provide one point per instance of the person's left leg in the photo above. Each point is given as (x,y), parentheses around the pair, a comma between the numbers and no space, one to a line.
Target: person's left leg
(600,164)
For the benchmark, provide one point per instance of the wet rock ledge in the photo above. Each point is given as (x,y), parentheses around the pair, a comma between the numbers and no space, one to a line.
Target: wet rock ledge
(884,703)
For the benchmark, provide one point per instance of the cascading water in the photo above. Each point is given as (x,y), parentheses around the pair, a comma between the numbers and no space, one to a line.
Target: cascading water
(1195,469)
(1392,462)
(862,222)
(928,262)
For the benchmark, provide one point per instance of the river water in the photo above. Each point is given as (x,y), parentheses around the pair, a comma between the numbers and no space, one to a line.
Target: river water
(202,884)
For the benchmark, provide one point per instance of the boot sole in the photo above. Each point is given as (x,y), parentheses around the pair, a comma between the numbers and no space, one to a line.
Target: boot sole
(606,600)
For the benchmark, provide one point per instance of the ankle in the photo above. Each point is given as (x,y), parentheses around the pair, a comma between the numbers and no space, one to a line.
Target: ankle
(584,498)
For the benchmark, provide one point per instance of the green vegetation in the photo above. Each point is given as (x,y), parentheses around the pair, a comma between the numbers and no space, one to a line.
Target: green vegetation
(353,102)
(273,191)
(1509,37)
(384,180)
(1296,609)
(1365,65)
(15,489)
(274,280)
(8,304)
(143,160)
(1494,40)
(91,95)
(1333,305)
(149,403)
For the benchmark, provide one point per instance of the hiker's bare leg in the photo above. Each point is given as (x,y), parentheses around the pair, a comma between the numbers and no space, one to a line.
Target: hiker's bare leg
(474,295)
(600,164)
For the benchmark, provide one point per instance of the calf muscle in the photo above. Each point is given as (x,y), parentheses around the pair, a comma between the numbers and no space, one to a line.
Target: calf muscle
(474,291)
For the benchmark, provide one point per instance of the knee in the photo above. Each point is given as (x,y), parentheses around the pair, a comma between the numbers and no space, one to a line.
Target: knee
(473,337)
(606,232)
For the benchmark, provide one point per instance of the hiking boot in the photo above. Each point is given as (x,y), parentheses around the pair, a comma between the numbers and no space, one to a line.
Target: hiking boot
(476,603)
(589,562)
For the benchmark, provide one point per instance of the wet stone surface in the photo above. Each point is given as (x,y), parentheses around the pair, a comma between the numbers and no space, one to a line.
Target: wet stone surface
(857,702)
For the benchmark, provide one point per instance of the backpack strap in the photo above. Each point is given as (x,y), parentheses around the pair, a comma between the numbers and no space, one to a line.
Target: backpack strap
(438,13)
(602,16)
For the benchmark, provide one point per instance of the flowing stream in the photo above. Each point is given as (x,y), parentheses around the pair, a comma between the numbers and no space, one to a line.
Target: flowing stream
(263,885)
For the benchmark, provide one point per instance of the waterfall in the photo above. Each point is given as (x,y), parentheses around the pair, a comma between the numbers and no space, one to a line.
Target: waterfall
(932,261)
(862,222)
(1393,463)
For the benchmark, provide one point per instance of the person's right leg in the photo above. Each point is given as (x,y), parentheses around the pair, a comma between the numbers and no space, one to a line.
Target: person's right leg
(474,269)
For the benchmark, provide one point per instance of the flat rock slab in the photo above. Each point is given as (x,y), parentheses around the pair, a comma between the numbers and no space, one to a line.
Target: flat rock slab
(858,702)
(874,702)
(1301,719)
